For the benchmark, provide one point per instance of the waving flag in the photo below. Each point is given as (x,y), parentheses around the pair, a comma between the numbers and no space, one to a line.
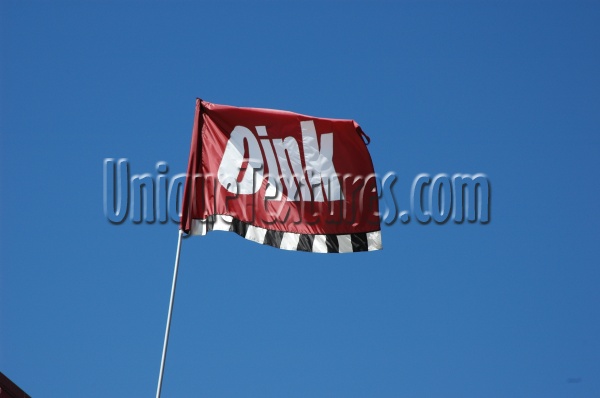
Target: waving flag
(282,179)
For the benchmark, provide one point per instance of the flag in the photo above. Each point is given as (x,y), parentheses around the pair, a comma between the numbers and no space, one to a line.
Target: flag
(282,179)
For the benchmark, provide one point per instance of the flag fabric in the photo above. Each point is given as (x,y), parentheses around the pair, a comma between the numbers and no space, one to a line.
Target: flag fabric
(282,179)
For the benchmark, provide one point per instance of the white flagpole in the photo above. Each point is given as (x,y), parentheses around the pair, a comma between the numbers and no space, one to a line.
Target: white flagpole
(164,352)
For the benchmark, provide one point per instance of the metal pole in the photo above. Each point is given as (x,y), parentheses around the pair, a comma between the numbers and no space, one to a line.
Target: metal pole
(164,352)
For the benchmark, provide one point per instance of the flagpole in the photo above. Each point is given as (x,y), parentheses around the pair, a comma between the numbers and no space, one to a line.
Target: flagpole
(166,342)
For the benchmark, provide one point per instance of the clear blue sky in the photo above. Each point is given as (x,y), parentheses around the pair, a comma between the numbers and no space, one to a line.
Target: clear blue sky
(507,309)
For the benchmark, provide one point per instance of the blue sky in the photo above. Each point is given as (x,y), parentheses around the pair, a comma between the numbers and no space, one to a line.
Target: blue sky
(506,309)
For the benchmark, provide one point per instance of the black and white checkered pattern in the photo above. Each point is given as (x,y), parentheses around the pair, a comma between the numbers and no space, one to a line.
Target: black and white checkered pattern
(348,243)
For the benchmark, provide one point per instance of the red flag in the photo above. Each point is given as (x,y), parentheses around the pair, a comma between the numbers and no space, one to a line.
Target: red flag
(282,179)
